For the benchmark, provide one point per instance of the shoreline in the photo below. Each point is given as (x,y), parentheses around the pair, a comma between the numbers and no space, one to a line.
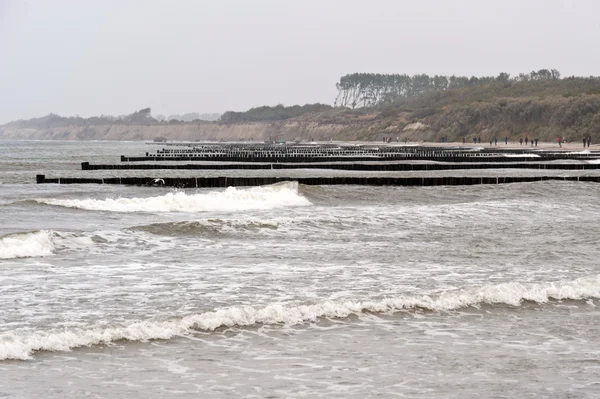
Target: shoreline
(546,145)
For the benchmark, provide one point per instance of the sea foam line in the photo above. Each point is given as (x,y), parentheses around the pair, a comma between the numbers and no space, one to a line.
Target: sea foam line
(26,245)
(22,344)
(232,199)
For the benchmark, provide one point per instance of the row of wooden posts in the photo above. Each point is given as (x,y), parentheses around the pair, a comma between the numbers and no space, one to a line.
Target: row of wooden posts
(373,166)
(387,159)
(420,156)
(259,181)
(256,152)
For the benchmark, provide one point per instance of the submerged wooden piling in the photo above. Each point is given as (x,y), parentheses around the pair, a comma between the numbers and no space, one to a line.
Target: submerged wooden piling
(359,158)
(374,166)
(202,182)
(345,152)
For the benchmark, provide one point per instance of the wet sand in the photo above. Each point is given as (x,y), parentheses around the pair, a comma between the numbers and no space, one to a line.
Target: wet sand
(542,145)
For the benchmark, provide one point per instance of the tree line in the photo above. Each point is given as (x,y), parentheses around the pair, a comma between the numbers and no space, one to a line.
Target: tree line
(140,117)
(365,90)
(547,118)
(276,113)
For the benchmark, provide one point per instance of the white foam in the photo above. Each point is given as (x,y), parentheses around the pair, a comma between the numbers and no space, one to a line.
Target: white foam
(232,199)
(25,245)
(594,161)
(21,344)
(520,155)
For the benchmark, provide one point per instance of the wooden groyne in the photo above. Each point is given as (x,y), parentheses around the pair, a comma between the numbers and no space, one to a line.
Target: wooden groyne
(438,157)
(200,182)
(364,158)
(373,166)
(310,153)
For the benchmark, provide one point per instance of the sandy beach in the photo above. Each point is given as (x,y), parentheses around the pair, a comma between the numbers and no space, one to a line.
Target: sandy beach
(542,145)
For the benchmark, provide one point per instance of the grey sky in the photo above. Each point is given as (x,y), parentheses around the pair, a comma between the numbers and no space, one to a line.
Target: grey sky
(114,57)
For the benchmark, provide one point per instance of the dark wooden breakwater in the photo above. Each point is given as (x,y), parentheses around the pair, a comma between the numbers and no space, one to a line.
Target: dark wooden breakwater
(333,153)
(199,182)
(409,156)
(373,166)
(381,158)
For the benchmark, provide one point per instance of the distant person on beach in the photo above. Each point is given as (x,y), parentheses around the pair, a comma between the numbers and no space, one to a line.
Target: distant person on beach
(474,140)
(526,140)
(521,141)
(589,141)
(505,140)
(495,140)
(491,142)
(584,141)
(559,142)
(536,141)
(479,139)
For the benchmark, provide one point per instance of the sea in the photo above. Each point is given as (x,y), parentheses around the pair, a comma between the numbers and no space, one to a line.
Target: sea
(292,291)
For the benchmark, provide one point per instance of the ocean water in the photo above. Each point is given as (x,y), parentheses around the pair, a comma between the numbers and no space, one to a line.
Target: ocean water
(289,291)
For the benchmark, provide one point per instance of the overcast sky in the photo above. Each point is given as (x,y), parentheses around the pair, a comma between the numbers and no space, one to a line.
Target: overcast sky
(114,57)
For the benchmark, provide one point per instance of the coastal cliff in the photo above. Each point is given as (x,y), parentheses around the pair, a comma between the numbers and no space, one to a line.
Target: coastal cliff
(317,126)
(546,119)
(256,131)
(499,108)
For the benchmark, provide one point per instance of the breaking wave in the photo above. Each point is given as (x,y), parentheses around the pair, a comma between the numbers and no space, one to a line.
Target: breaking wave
(26,245)
(208,227)
(232,199)
(22,344)
(520,155)
(40,243)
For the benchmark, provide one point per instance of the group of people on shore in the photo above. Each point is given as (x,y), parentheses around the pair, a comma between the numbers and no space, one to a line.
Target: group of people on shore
(534,142)
(475,140)
(587,140)
(494,141)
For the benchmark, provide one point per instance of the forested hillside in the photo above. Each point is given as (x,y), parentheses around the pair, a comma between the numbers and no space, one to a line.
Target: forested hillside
(276,113)
(365,90)
(421,107)
(141,117)
(538,104)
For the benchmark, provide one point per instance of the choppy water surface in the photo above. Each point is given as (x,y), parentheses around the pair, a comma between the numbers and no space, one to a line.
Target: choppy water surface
(292,291)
